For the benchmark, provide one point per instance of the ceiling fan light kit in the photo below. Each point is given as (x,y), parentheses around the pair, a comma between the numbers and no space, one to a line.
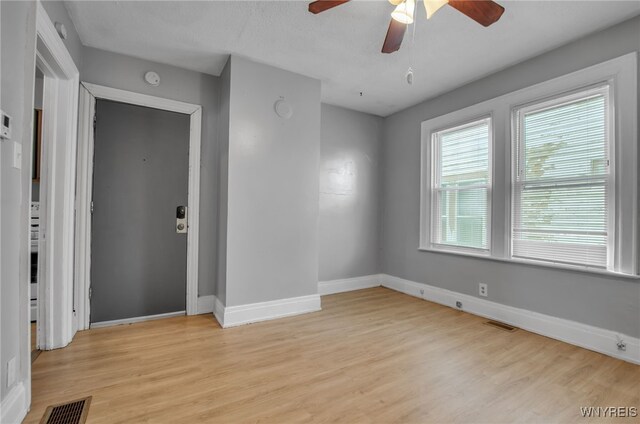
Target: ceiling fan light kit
(432,6)
(403,12)
(485,12)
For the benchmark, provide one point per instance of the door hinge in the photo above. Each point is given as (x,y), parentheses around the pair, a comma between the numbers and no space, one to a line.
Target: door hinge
(95,121)
(90,292)
(91,207)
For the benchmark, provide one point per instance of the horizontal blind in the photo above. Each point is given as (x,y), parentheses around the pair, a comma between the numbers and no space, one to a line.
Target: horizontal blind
(560,205)
(461,186)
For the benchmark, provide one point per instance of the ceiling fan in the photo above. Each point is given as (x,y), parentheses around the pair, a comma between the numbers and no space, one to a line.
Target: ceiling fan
(485,12)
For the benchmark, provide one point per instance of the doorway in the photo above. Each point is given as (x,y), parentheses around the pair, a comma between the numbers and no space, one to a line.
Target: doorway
(140,166)
(140,181)
(34,220)
(53,167)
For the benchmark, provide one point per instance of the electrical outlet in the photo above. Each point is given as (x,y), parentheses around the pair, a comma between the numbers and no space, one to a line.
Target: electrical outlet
(458,304)
(11,372)
(422,292)
(622,345)
(482,289)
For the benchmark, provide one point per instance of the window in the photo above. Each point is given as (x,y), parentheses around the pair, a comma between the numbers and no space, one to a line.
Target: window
(461,187)
(561,203)
(546,175)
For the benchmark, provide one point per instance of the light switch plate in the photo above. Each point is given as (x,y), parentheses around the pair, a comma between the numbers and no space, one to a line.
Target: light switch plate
(17,155)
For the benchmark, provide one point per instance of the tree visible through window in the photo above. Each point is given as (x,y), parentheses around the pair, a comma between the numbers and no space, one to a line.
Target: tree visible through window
(560,207)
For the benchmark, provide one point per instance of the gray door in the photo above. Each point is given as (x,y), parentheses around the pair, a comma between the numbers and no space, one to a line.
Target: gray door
(140,177)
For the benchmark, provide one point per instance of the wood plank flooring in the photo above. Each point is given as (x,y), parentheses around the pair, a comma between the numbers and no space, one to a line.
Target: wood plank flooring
(370,356)
(33,336)
(34,351)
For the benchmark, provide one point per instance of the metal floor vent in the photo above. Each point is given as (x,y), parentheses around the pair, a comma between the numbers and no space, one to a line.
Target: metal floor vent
(74,412)
(502,326)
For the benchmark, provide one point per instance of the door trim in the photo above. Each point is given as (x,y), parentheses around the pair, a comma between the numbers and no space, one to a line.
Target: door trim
(88,95)
(56,324)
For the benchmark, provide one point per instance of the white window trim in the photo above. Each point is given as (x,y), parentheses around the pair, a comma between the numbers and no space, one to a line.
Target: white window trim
(606,90)
(432,183)
(622,75)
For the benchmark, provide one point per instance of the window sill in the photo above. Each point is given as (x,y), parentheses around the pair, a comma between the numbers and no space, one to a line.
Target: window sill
(563,267)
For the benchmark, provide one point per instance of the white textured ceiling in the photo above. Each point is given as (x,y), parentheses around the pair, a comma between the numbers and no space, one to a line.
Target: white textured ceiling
(341,47)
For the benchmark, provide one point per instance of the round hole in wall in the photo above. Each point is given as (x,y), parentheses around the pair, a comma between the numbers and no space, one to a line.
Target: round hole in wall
(283,109)
(152,78)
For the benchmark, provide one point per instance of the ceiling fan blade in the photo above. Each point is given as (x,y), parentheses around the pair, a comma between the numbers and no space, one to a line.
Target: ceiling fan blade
(485,12)
(394,37)
(322,5)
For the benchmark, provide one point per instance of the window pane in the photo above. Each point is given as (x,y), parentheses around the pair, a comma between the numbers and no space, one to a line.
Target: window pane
(461,185)
(464,155)
(560,204)
(463,218)
(564,214)
(566,141)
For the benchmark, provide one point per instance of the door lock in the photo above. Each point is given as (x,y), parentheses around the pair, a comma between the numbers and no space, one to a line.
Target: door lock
(181,219)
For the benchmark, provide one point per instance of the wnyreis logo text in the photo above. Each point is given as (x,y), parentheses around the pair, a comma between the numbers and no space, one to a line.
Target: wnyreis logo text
(609,411)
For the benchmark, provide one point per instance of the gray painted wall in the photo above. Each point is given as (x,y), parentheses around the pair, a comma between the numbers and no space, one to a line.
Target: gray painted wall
(223,189)
(18,27)
(607,302)
(127,73)
(349,220)
(58,13)
(272,228)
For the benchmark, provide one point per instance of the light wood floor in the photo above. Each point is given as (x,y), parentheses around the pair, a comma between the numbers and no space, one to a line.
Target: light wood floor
(33,336)
(370,356)
(34,351)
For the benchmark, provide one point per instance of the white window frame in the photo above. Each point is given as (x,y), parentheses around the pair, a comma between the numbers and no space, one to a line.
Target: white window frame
(517,163)
(621,74)
(435,184)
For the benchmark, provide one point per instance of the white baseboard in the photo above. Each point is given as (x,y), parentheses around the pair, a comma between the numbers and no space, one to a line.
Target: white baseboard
(14,406)
(245,314)
(205,304)
(572,332)
(218,311)
(349,284)
(136,319)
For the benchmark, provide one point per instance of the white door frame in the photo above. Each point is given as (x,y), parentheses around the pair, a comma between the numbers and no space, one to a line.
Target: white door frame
(56,323)
(88,95)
